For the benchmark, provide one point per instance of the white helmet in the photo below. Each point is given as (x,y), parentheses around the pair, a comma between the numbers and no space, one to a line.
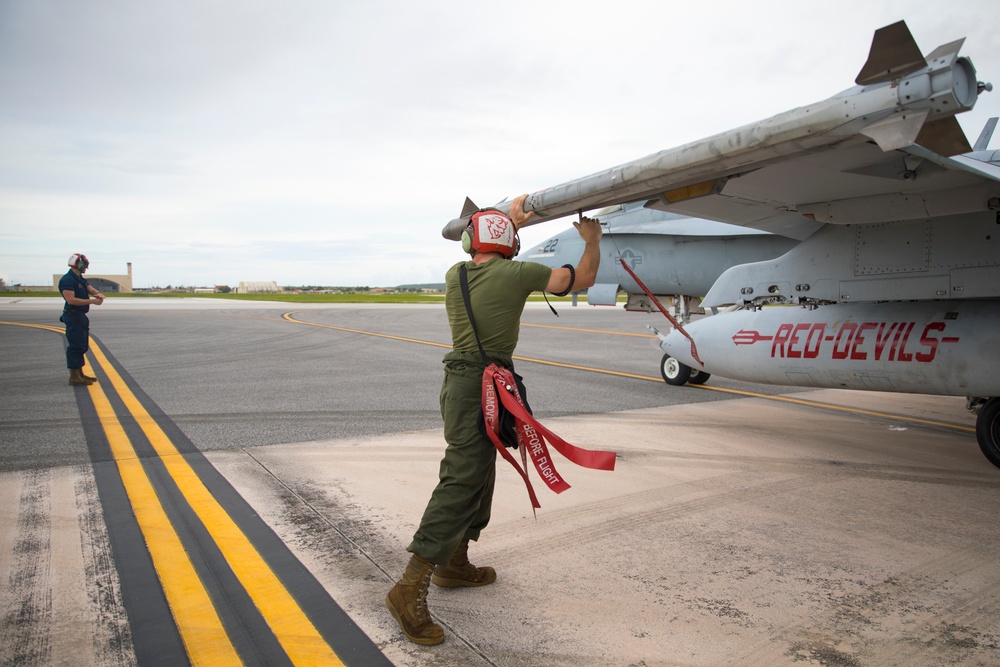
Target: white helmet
(76,259)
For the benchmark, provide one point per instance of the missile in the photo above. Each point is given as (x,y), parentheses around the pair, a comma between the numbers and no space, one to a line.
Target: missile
(916,347)
(901,98)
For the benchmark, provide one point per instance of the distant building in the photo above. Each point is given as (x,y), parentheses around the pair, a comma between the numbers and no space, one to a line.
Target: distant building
(103,282)
(270,287)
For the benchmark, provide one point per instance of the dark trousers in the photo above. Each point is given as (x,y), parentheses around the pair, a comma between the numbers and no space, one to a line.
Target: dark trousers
(77,337)
(459,508)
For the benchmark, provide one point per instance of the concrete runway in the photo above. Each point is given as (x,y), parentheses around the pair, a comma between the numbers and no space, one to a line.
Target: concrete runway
(744,524)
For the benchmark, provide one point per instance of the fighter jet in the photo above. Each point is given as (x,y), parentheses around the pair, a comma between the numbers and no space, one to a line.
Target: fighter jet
(679,257)
(898,286)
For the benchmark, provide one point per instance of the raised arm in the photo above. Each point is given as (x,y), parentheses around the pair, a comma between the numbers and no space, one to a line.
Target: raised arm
(584,274)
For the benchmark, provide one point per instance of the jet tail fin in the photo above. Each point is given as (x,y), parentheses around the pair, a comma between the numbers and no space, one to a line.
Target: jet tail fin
(983,142)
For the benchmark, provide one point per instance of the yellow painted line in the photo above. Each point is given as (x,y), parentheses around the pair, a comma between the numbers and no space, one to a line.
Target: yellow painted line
(200,628)
(604,371)
(47,327)
(288,317)
(293,629)
(589,369)
(842,408)
(597,331)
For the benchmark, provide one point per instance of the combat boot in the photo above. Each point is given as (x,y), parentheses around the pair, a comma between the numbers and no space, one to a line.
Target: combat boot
(407,602)
(76,378)
(460,572)
(89,378)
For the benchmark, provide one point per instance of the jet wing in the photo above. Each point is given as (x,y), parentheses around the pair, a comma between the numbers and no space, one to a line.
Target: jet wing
(877,150)
(854,181)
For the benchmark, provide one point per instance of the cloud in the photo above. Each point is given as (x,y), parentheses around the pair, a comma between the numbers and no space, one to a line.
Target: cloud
(315,142)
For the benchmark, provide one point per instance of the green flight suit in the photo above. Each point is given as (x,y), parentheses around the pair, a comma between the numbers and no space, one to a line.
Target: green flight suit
(459,508)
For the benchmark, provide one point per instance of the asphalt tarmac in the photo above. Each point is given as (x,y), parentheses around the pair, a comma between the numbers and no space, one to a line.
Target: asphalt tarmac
(241,484)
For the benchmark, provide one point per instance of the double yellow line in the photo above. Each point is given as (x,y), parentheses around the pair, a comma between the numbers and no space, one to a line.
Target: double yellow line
(201,630)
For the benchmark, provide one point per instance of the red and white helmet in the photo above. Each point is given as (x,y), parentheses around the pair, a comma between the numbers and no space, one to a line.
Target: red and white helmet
(76,258)
(491,230)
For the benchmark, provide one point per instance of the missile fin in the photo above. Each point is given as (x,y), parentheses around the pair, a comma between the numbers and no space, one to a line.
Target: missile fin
(468,208)
(945,55)
(453,230)
(944,136)
(897,131)
(894,53)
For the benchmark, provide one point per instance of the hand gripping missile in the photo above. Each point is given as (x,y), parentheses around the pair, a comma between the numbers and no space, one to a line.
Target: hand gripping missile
(901,99)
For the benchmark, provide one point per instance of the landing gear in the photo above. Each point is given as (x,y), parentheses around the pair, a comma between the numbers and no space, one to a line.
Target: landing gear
(988,430)
(675,373)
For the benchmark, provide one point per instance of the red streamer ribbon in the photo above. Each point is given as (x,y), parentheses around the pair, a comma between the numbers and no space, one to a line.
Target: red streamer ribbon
(498,383)
(677,325)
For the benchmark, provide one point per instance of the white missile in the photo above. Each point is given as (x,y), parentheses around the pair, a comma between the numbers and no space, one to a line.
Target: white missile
(930,347)
(901,99)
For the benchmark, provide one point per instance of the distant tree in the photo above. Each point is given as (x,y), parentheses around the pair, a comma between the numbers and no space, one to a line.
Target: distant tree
(225,289)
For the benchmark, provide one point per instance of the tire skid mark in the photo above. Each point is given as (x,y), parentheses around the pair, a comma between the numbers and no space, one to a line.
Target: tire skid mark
(650,458)
(927,613)
(966,625)
(112,633)
(714,493)
(70,629)
(28,611)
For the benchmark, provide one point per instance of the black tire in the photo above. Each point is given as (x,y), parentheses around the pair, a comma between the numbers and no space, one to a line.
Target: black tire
(698,377)
(988,430)
(674,372)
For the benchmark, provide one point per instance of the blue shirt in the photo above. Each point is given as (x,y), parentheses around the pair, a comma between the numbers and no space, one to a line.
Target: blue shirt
(79,286)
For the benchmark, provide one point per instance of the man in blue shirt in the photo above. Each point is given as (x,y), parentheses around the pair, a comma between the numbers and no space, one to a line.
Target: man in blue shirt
(77,293)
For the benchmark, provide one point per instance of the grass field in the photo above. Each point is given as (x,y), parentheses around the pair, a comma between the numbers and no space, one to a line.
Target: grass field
(358,297)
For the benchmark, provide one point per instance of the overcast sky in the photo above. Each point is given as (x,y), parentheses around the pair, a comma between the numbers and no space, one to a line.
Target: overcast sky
(328,142)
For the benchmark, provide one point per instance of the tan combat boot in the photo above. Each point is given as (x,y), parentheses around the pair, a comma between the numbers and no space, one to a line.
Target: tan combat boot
(76,378)
(89,378)
(407,602)
(460,572)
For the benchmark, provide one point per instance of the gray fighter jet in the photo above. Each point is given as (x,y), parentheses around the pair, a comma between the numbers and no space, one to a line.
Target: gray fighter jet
(896,285)
(679,257)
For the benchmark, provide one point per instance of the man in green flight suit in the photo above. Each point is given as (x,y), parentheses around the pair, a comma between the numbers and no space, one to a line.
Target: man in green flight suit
(459,507)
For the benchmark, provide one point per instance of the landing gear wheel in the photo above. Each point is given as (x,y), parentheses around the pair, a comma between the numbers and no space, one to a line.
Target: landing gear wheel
(674,372)
(988,430)
(698,377)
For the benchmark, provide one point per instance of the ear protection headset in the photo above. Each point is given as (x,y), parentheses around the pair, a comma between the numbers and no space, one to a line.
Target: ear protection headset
(491,230)
(78,261)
